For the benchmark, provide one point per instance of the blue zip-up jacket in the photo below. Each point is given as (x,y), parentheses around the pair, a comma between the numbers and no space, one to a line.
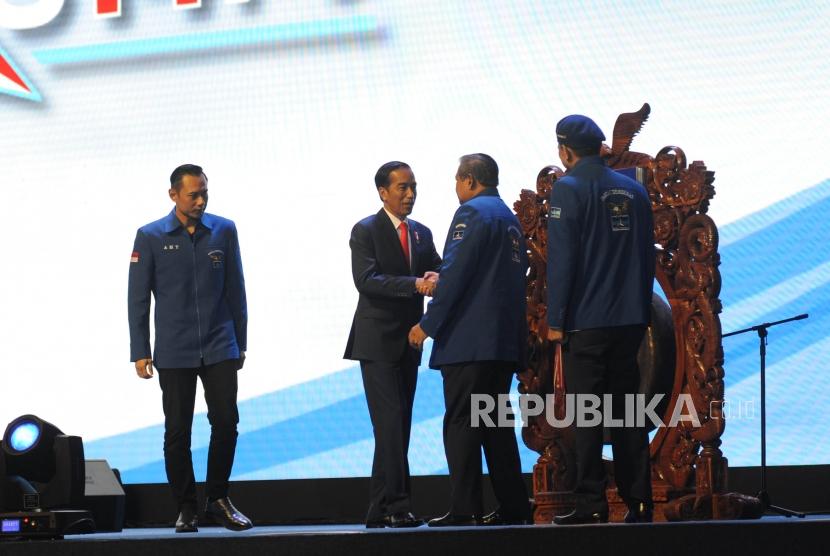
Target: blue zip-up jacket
(201,314)
(478,310)
(600,249)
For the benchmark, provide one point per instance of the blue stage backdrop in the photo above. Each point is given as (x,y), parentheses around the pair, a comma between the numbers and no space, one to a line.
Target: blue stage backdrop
(292,105)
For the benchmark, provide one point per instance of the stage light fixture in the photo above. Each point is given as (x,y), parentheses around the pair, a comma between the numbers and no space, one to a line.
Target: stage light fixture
(37,453)
(24,436)
(29,443)
(41,481)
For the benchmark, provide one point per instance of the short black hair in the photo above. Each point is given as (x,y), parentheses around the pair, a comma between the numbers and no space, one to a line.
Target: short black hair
(589,150)
(481,167)
(185,170)
(382,175)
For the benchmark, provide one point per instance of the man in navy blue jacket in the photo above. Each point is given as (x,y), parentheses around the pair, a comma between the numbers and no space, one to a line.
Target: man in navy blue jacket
(189,260)
(600,276)
(478,322)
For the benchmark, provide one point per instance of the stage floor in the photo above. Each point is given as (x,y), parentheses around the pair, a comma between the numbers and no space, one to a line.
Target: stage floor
(770,535)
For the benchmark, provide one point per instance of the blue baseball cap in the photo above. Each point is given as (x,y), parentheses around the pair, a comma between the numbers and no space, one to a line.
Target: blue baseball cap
(577,131)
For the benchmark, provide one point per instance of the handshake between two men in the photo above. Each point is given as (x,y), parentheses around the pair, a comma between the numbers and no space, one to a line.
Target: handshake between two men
(424,286)
(427,283)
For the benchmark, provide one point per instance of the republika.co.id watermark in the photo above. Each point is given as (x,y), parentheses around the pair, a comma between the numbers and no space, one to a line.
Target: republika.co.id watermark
(591,410)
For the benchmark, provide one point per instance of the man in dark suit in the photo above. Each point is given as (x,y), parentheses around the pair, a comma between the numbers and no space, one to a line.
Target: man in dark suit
(394,264)
(600,279)
(478,322)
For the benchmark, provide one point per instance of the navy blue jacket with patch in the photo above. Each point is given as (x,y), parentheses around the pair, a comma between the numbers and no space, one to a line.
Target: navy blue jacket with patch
(201,314)
(600,249)
(478,310)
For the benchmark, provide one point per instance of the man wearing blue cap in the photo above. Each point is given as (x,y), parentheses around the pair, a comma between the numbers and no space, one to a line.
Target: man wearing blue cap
(600,276)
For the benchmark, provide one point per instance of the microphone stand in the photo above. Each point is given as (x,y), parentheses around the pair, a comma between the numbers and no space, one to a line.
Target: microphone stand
(761,329)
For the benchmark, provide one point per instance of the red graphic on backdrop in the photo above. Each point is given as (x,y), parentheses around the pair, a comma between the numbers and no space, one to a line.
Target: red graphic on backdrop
(108,8)
(112,8)
(14,82)
(8,73)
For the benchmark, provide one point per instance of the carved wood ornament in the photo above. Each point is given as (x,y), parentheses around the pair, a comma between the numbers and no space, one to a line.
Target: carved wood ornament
(689,472)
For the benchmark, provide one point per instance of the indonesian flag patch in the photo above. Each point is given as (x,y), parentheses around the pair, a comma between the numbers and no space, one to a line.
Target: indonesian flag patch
(134,257)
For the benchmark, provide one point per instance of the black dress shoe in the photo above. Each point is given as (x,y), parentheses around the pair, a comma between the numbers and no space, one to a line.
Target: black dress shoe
(221,511)
(639,513)
(188,521)
(455,520)
(578,518)
(398,520)
(499,518)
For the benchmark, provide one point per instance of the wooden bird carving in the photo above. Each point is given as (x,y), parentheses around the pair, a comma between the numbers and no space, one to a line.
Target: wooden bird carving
(627,126)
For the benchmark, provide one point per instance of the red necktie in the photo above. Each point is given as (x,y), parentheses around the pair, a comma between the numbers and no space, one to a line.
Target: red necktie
(404,241)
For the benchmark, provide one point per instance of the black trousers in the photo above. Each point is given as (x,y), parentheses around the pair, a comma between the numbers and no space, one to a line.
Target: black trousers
(390,391)
(463,443)
(600,361)
(178,388)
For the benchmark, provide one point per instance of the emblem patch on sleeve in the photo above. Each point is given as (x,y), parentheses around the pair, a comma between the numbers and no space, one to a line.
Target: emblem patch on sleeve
(134,257)
(458,234)
(555,212)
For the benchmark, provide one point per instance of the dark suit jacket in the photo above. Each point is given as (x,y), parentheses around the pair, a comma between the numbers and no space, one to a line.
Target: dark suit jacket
(388,305)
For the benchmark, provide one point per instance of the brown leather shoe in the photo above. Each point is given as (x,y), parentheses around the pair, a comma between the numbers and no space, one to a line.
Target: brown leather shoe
(454,520)
(577,518)
(395,521)
(188,521)
(498,518)
(639,513)
(222,511)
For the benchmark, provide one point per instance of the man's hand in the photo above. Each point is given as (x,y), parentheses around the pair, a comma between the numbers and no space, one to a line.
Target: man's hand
(555,335)
(144,368)
(241,359)
(417,337)
(424,286)
(431,276)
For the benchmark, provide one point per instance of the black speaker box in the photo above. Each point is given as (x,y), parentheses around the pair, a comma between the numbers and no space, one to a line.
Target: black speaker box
(66,489)
(104,496)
